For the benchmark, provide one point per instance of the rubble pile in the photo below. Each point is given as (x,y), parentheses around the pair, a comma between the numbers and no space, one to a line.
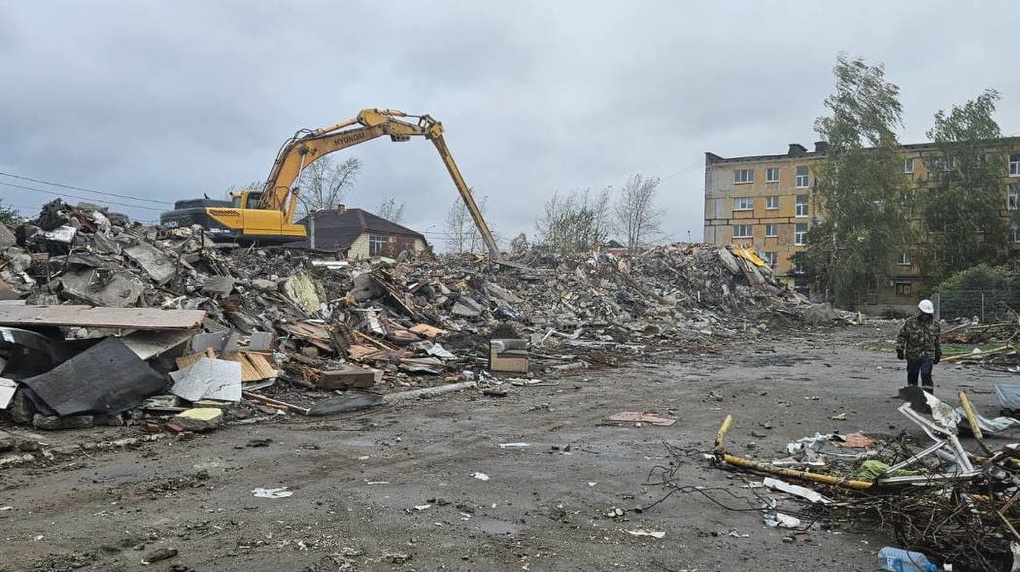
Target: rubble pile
(194,330)
(951,505)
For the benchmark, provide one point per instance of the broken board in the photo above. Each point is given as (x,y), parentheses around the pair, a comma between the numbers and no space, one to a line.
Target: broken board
(96,317)
(636,417)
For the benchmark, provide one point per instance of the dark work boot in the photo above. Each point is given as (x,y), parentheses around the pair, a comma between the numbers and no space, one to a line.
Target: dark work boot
(928,384)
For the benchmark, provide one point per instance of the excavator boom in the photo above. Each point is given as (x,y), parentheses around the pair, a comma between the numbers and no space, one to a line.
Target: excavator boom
(269,214)
(310,145)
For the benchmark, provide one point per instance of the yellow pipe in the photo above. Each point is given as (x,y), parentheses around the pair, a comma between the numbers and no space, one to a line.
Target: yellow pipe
(722,434)
(815,477)
(972,421)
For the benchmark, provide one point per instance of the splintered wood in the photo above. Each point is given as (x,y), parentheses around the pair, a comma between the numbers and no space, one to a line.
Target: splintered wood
(95,317)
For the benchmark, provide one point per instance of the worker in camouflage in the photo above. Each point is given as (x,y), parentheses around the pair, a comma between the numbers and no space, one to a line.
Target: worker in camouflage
(918,342)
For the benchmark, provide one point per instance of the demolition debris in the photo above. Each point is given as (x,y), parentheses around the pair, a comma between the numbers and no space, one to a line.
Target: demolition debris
(111,321)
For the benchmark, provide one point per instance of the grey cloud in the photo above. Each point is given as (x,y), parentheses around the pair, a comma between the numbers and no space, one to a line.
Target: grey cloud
(172,99)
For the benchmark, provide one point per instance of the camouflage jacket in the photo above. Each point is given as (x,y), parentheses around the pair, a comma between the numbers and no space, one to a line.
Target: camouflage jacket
(920,339)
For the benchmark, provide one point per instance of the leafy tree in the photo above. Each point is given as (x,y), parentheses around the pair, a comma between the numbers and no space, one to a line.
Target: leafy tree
(390,210)
(8,214)
(982,277)
(324,183)
(635,214)
(962,201)
(575,222)
(859,186)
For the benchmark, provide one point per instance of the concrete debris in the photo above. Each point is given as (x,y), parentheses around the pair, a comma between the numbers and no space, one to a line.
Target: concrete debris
(199,419)
(299,324)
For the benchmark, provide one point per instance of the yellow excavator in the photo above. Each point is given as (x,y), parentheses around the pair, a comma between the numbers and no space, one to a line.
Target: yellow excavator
(266,216)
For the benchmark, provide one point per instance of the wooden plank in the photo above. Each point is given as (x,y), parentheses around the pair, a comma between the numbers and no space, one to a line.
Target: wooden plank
(95,317)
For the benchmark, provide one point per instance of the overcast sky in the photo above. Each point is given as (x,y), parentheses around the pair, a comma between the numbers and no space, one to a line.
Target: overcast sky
(171,99)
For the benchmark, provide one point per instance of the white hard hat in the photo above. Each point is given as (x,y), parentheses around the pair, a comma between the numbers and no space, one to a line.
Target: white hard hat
(926,307)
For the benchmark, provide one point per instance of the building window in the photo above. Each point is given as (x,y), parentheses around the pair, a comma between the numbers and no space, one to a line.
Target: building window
(801,205)
(376,244)
(771,230)
(802,177)
(772,175)
(908,165)
(904,259)
(1013,196)
(1014,233)
(743,204)
(903,289)
(800,234)
(770,258)
(772,202)
(743,176)
(1014,164)
(742,231)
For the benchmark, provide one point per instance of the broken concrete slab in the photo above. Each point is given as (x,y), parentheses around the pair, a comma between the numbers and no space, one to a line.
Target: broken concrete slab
(467,307)
(218,285)
(106,378)
(20,409)
(57,423)
(118,291)
(62,234)
(199,419)
(155,262)
(209,378)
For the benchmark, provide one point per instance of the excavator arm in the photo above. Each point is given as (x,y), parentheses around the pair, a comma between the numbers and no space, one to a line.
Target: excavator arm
(309,145)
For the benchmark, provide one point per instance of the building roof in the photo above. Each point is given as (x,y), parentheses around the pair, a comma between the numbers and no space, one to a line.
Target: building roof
(337,229)
(796,151)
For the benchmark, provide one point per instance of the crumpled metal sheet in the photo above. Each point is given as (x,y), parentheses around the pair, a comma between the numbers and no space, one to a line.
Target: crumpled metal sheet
(106,378)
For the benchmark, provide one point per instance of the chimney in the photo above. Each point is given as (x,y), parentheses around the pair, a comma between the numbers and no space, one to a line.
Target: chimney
(796,149)
(821,146)
(341,209)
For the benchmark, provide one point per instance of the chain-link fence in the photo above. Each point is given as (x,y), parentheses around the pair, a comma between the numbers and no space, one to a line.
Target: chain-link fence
(986,305)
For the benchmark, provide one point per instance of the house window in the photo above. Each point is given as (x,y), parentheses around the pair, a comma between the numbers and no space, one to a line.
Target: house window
(772,175)
(908,165)
(801,205)
(903,289)
(772,202)
(771,230)
(1014,233)
(904,259)
(742,231)
(770,258)
(376,244)
(743,176)
(802,177)
(1013,196)
(1014,164)
(800,234)
(743,204)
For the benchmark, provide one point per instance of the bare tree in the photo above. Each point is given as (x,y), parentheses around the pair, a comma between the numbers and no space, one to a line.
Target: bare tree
(575,222)
(323,183)
(635,215)
(390,210)
(461,233)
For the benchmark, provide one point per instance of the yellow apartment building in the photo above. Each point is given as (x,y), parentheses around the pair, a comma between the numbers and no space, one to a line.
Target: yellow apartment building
(768,202)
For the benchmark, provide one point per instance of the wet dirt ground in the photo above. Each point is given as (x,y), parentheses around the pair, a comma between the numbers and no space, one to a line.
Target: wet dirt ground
(403,487)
